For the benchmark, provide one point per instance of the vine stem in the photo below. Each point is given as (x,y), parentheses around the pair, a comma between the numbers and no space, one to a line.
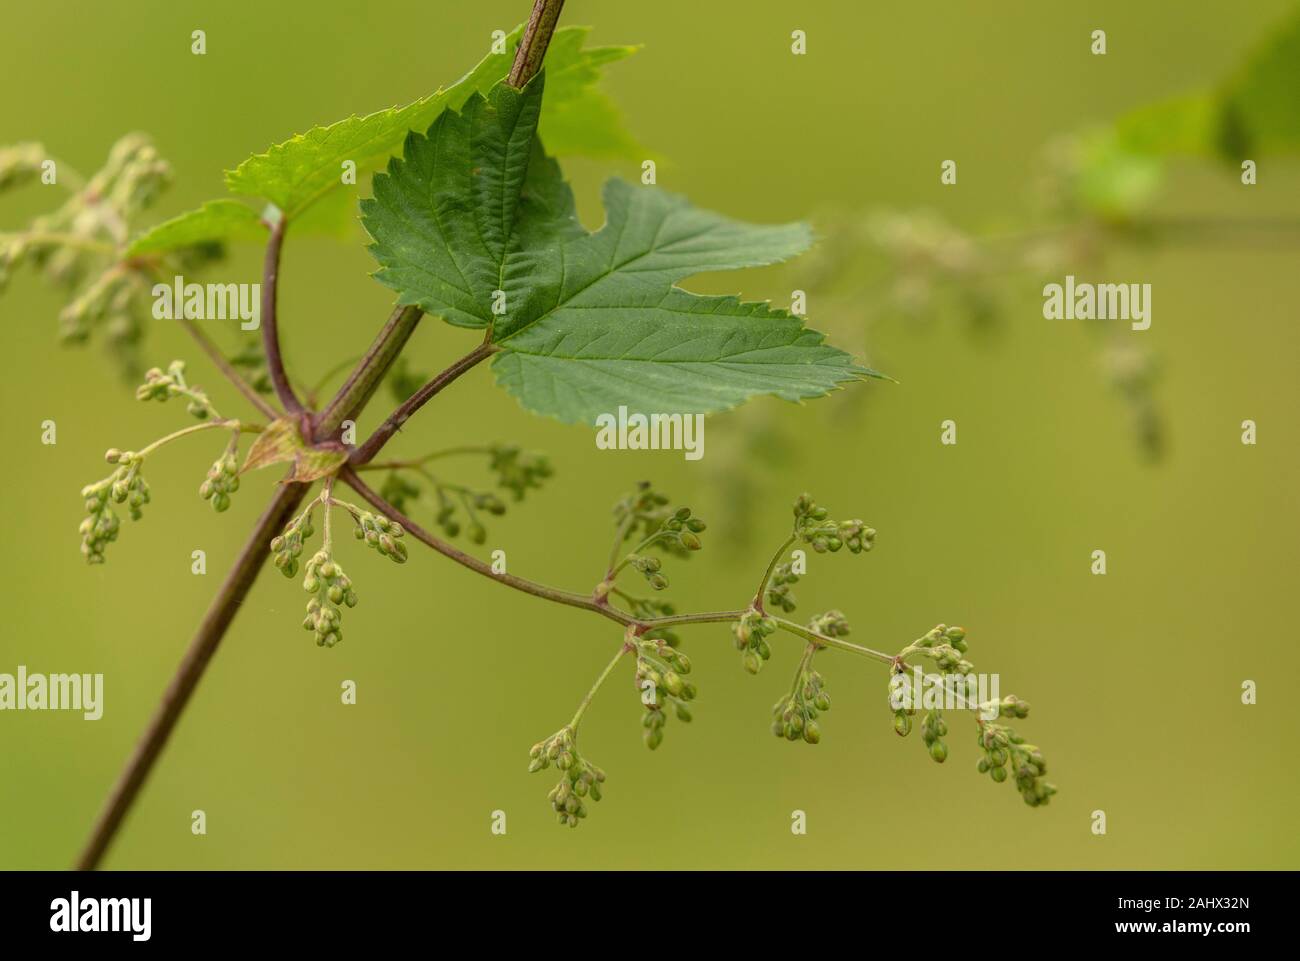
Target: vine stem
(227,369)
(206,425)
(568,598)
(220,613)
(623,649)
(767,575)
(417,462)
(369,372)
(537,37)
(270,328)
(838,643)
(385,431)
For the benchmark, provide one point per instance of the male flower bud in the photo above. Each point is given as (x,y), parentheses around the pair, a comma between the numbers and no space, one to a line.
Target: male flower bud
(287,547)
(659,681)
(794,717)
(933,728)
(751,632)
(831,624)
(382,534)
(162,386)
(779,594)
(222,481)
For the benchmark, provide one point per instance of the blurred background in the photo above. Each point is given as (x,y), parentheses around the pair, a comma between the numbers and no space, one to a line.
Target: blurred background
(1072,438)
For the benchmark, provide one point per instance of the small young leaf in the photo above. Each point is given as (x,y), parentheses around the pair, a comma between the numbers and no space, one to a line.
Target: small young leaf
(215,221)
(295,174)
(281,442)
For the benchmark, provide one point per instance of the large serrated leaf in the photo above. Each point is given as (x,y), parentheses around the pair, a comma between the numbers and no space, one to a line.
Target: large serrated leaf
(476,224)
(295,174)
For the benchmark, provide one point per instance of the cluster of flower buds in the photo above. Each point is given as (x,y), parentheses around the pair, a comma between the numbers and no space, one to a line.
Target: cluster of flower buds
(126,485)
(163,385)
(830,624)
(108,301)
(223,480)
(399,491)
(643,513)
(684,528)
(933,729)
(1005,750)
(579,778)
(751,633)
(814,526)
(795,715)
(381,534)
(946,646)
(473,501)
(81,238)
(330,587)
(651,568)
(900,702)
(287,547)
(660,681)
(779,594)
(518,471)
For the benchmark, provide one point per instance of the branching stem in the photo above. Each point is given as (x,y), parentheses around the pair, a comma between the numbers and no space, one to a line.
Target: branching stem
(397,418)
(767,575)
(270,328)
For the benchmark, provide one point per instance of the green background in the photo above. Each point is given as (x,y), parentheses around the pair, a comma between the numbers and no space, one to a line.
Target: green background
(1135,677)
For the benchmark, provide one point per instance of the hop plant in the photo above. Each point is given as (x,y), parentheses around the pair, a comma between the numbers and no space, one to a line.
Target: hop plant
(579,778)
(222,481)
(332,588)
(751,633)
(381,534)
(660,677)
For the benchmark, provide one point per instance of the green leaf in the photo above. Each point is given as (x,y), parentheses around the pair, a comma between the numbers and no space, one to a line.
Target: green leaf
(295,174)
(1255,110)
(1261,100)
(1183,125)
(476,218)
(215,221)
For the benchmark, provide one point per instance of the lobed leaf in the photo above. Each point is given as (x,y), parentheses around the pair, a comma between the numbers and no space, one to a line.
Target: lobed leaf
(476,224)
(215,221)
